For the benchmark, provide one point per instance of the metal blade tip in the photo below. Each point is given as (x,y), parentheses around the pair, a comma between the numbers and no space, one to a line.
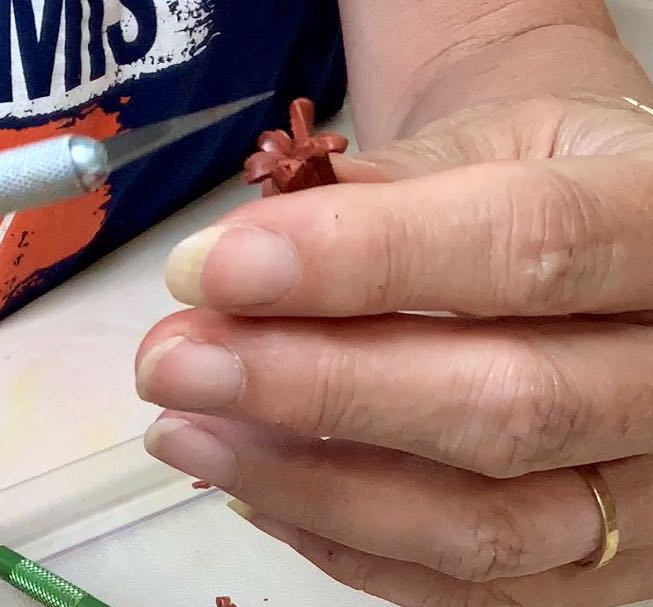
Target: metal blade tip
(250,101)
(128,146)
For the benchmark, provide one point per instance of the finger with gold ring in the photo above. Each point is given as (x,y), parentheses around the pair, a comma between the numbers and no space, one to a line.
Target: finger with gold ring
(609,546)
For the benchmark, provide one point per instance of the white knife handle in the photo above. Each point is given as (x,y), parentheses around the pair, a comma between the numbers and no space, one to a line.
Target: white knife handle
(50,171)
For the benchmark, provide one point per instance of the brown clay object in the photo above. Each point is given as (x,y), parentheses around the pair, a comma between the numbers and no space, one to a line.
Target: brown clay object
(203,485)
(299,162)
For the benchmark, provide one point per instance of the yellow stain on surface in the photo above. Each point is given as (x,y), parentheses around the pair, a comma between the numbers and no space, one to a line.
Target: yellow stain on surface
(19,411)
(26,413)
(99,437)
(52,414)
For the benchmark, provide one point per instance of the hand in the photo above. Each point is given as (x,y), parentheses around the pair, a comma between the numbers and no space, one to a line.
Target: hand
(449,479)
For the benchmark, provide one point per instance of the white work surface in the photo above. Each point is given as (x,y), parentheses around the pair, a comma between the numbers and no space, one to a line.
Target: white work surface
(189,556)
(66,392)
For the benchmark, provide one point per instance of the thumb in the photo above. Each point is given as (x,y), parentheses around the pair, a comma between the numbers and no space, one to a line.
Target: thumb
(439,147)
(405,159)
(527,129)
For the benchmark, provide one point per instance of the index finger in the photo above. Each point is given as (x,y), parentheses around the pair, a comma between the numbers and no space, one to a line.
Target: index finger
(525,238)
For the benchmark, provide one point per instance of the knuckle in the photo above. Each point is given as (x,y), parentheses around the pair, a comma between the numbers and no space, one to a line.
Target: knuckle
(488,393)
(496,547)
(635,400)
(349,567)
(536,414)
(395,256)
(461,594)
(319,491)
(557,246)
(482,595)
(495,595)
(333,401)
(359,572)
(547,418)
(468,594)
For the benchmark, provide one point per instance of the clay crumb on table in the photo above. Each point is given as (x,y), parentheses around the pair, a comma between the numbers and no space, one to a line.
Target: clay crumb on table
(202,485)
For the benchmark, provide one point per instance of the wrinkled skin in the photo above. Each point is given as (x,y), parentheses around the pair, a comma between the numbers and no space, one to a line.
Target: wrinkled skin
(547,219)
(449,479)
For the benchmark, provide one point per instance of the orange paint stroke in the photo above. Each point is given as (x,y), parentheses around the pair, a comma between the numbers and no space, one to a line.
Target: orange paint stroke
(39,238)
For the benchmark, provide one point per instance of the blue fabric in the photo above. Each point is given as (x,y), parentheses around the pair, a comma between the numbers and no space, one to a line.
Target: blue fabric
(248,47)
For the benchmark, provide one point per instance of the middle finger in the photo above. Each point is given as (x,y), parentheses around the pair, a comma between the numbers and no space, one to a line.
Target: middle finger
(503,399)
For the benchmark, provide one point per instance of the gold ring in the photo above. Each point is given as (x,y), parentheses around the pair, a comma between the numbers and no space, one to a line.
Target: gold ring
(610,532)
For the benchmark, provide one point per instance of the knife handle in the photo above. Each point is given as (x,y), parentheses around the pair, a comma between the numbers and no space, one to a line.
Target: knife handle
(50,171)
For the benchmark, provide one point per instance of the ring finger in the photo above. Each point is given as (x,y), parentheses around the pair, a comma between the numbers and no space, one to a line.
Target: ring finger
(402,507)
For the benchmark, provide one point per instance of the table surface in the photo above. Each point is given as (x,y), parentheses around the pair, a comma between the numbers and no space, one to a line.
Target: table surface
(59,408)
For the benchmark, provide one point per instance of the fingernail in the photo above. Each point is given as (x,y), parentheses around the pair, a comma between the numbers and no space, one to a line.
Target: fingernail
(149,363)
(181,372)
(186,264)
(232,266)
(281,531)
(361,162)
(277,529)
(194,451)
(352,160)
(241,509)
(162,427)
